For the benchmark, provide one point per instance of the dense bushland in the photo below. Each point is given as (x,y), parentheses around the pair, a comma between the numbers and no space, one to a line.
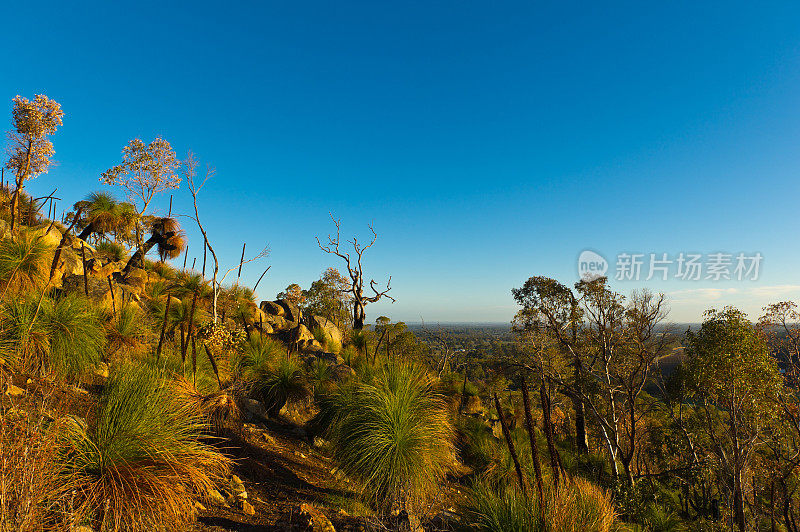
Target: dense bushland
(127,370)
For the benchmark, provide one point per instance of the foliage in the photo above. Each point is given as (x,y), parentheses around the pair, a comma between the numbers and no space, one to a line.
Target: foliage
(394,436)
(24,264)
(145,170)
(329,297)
(577,506)
(141,464)
(272,374)
(32,122)
(129,331)
(65,337)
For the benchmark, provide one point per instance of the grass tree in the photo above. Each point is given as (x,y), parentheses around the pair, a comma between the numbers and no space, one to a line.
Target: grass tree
(166,235)
(65,338)
(103,214)
(141,465)
(394,436)
(24,264)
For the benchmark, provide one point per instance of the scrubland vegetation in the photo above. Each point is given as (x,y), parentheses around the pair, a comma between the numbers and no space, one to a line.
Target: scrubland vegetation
(131,380)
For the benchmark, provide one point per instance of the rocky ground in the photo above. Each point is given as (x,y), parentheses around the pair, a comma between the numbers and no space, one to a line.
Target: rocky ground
(289,484)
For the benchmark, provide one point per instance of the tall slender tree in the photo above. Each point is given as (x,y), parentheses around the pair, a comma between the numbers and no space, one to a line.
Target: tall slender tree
(31,150)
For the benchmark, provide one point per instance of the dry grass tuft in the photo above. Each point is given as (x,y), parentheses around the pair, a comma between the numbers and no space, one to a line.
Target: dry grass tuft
(142,465)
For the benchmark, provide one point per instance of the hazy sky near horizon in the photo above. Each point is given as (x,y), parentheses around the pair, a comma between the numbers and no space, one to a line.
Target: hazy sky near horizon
(486,141)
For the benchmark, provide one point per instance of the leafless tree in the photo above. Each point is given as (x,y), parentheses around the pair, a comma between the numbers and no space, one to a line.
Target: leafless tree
(356,272)
(190,171)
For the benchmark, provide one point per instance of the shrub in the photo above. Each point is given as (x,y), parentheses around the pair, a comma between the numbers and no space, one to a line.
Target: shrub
(394,436)
(272,374)
(111,251)
(494,508)
(578,506)
(65,338)
(24,264)
(141,465)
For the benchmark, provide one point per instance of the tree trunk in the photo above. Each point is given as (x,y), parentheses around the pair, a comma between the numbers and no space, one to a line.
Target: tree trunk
(510,443)
(581,439)
(87,231)
(358,315)
(537,467)
(163,327)
(191,323)
(137,259)
(548,433)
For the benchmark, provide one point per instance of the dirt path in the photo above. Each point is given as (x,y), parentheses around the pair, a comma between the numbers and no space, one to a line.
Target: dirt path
(280,471)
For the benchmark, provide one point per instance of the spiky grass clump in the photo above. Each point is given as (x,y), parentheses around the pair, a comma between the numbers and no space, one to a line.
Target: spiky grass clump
(475,442)
(219,408)
(284,381)
(23,339)
(494,508)
(578,506)
(271,373)
(256,356)
(394,436)
(351,356)
(24,264)
(65,337)
(129,332)
(581,506)
(142,466)
(76,334)
(111,251)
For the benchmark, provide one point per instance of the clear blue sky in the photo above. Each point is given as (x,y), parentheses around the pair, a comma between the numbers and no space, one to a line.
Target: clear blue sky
(486,141)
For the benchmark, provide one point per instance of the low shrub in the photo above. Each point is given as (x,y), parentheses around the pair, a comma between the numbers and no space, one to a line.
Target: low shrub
(141,464)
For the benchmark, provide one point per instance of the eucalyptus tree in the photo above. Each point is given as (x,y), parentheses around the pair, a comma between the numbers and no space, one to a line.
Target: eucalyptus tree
(30,148)
(737,384)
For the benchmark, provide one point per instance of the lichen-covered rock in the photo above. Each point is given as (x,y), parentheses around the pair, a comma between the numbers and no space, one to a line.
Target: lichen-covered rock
(291,310)
(342,372)
(326,325)
(272,308)
(216,498)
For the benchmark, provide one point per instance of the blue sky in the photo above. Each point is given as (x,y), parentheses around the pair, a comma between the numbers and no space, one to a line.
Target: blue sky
(486,141)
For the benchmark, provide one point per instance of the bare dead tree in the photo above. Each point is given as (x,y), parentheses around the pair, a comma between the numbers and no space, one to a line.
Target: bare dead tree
(356,272)
(440,340)
(190,172)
